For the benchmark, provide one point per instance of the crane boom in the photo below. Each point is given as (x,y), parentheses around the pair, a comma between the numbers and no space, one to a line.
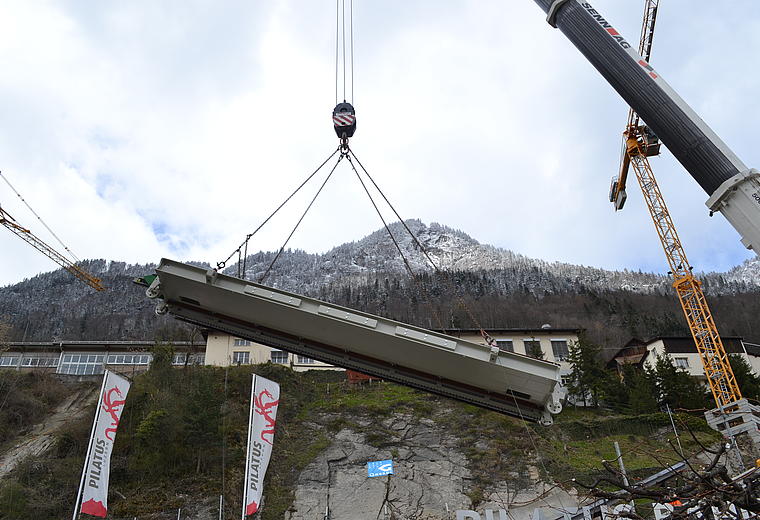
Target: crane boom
(733,189)
(28,237)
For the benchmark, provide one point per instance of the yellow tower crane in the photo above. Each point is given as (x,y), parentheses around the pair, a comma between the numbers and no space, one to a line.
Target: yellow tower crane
(640,143)
(27,236)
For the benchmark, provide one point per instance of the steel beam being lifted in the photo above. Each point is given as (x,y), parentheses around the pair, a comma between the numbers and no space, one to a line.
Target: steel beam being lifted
(507,382)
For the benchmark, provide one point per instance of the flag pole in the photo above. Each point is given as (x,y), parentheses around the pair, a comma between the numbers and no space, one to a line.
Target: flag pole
(89,446)
(248,447)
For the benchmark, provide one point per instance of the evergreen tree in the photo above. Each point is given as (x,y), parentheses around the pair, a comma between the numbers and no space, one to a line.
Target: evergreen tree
(748,381)
(677,388)
(588,377)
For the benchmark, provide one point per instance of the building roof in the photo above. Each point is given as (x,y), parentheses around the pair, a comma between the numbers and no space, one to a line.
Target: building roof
(752,349)
(98,345)
(686,345)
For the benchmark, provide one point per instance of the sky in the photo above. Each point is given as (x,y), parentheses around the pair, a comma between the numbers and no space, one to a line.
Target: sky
(139,130)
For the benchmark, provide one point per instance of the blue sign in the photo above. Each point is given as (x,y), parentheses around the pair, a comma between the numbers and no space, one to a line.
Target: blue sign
(379,468)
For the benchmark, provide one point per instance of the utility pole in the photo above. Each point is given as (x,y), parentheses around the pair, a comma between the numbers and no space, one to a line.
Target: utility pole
(622,470)
(678,439)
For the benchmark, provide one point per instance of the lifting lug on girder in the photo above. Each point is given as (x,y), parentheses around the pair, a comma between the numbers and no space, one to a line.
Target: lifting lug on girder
(344,121)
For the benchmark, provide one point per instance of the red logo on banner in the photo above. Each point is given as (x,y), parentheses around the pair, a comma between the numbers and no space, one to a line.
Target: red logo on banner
(94,508)
(264,402)
(251,508)
(112,408)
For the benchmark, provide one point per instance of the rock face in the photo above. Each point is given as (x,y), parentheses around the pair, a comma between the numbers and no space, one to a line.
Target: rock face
(431,478)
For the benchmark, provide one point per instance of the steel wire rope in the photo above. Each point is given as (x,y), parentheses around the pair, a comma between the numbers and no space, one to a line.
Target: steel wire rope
(223,263)
(437,269)
(415,280)
(343,26)
(337,44)
(266,273)
(351,21)
(538,452)
(39,218)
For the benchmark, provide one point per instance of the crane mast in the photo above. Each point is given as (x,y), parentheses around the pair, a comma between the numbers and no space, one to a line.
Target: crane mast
(640,143)
(720,376)
(27,236)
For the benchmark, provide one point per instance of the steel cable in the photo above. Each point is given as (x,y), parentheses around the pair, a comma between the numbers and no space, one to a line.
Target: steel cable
(39,218)
(266,273)
(420,286)
(223,263)
(437,269)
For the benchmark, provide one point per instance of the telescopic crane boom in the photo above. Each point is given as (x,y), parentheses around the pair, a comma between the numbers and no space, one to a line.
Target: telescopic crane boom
(733,188)
(28,237)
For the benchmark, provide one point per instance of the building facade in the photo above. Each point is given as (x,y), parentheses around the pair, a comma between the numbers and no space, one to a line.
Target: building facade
(84,358)
(683,353)
(224,350)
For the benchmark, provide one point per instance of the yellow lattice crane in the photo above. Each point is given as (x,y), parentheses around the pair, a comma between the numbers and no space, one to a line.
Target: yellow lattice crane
(640,143)
(27,236)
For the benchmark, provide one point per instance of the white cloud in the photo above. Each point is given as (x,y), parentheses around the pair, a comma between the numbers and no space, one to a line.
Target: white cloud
(140,130)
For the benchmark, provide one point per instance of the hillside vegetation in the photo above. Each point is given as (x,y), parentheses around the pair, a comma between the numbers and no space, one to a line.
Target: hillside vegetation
(182,436)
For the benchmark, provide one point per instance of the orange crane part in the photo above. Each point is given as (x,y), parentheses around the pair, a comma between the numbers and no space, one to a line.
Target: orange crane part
(717,368)
(639,143)
(28,237)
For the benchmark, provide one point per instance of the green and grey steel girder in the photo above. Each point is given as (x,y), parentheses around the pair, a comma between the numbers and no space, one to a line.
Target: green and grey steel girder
(507,382)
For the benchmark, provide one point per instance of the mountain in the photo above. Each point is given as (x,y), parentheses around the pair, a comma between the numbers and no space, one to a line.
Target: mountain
(503,288)
(452,250)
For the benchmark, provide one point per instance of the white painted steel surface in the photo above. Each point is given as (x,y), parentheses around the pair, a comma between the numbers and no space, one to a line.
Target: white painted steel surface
(507,382)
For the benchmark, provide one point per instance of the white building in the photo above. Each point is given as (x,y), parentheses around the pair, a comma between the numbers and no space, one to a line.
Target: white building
(224,350)
(683,352)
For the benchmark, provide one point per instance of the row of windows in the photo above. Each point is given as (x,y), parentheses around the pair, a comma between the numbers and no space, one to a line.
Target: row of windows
(8,361)
(81,369)
(40,362)
(533,348)
(129,359)
(194,359)
(276,356)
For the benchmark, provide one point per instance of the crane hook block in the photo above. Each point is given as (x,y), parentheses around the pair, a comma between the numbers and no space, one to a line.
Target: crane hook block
(344,120)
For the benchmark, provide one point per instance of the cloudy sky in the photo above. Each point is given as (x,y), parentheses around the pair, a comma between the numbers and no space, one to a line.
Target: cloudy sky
(145,129)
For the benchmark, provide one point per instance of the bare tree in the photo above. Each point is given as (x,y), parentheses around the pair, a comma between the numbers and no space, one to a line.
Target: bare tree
(698,488)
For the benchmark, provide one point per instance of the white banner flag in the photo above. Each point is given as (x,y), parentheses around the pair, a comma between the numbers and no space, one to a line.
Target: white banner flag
(93,488)
(265,397)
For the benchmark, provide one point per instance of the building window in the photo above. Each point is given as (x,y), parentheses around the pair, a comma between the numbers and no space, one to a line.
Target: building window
(242,342)
(305,360)
(565,381)
(682,362)
(36,361)
(129,359)
(505,345)
(559,349)
(81,364)
(241,358)
(533,348)
(8,361)
(278,356)
(190,359)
